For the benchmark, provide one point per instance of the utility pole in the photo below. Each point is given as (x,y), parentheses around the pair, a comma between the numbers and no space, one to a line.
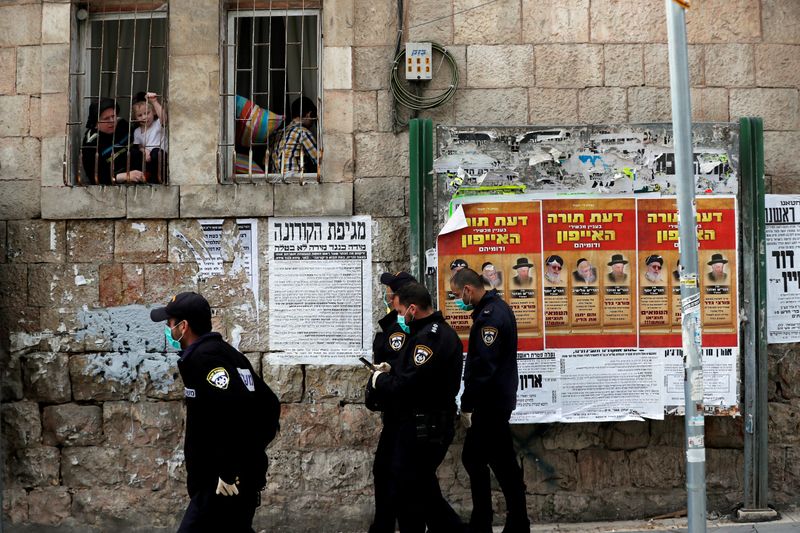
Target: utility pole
(687,242)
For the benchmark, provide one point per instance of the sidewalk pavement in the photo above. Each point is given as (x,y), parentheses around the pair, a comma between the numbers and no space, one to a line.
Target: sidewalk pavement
(789,522)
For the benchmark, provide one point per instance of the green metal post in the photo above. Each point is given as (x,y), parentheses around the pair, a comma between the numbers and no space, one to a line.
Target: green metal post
(421,201)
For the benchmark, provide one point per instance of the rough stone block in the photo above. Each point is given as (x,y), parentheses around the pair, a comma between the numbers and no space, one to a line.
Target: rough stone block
(52,115)
(389,239)
(309,427)
(162,282)
(194,27)
(13,288)
(49,506)
(555,21)
(602,469)
(656,65)
(780,108)
(724,469)
(55,71)
(60,203)
(777,65)
(625,435)
(243,200)
(479,22)
(157,201)
(8,70)
(779,21)
(102,377)
(337,70)
(569,65)
(550,471)
(19,200)
(52,159)
(649,104)
(140,241)
(143,423)
(338,113)
(122,509)
(193,129)
(90,241)
(320,199)
(624,65)
(552,106)
(36,241)
(337,161)
(429,20)
(724,21)
(334,384)
(784,423)
(147,467)
(55,23)
(375,22)
(36,466)
(72,425)
(15,505)
(779,155)
(63,285)
(20,25)
(45,377)
(785,371)
(782,185)
(338,19)
(725,432)
(490,106)
(92,466)
(729,65)
(286,381)
(571,436)
(22,427)
(160,373)
(371,67)
(499,66)
(121,284)
(381,154)
(328,472)
(29,70)
(380,196)
(602,105)
(365,111)
(627,21)
(667,432)
(709,104)
(658,466)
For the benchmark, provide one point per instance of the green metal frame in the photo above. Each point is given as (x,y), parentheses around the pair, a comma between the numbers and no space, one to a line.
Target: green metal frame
(421,202)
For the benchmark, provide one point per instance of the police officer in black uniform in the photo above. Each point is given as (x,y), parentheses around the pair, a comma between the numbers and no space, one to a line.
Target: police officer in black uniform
(386,347)
(230,418)
(418,394)
(489,397)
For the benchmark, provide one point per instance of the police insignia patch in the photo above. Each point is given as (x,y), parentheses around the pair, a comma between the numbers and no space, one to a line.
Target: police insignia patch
(218,377)
(396,341)
(489,335)
(422,354)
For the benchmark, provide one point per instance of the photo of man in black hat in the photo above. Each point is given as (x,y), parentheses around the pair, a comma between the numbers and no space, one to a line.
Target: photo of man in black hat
(717,274)
(523,276)
(653,272)
(492,278)
(584,271)
(552,272)
(617,264)
(456,265)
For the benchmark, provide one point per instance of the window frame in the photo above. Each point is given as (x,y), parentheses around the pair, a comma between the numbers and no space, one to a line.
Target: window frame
(226,147)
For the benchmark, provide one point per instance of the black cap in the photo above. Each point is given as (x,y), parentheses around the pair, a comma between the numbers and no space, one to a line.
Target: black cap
(395,281)
(96,108)
(554,259)
(654,259)
(458,263)
(185,306)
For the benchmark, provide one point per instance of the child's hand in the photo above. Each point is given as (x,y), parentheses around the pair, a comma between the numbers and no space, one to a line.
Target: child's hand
(147,156)
(151,96)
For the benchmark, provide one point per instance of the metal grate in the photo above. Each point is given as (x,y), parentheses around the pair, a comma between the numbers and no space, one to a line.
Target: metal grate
(271,84)
(119,55)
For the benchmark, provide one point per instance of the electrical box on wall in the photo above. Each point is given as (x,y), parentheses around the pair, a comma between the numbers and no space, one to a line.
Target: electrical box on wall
(418,61)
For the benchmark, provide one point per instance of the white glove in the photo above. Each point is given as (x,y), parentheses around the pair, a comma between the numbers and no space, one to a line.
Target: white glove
(466,419)
(226,489)
(380,369)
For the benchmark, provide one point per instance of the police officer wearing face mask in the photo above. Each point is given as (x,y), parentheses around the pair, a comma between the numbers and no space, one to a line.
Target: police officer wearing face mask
(386,347)
(224,447)
(418,394)
(489,397)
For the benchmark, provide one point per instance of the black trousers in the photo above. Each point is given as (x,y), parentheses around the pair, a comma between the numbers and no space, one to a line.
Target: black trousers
(212,513)
(407,489)
(488,444)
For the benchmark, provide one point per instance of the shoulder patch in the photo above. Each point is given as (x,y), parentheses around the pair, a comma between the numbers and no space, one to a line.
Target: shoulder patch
(189,393)
(487,311)
(489,335)
(247,378)
(218,378)
(435,328)
(422,354)
(396,340)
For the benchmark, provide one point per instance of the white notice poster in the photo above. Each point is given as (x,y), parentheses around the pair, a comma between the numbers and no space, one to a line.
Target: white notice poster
(320,296)
(783,267)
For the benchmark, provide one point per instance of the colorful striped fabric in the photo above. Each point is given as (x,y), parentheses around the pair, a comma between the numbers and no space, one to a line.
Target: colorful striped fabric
(242,165)
(254,124)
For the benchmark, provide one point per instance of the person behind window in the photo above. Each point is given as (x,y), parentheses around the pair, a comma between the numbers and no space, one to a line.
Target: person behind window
(107,151)
(150,137)
(297,150)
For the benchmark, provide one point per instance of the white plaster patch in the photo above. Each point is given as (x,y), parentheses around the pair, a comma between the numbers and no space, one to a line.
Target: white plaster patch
(53,237)
(138,226)
(236,336)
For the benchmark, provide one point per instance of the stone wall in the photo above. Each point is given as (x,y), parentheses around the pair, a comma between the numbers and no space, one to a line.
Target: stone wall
(92,414)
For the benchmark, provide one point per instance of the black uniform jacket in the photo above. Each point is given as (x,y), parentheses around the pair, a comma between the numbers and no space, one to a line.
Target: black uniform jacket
(112,152)
(427,375)
(221,416)
(386,347)
(490,375)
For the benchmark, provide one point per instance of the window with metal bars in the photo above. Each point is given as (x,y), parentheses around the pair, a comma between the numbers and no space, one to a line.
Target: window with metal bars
(118,127)
(271,94)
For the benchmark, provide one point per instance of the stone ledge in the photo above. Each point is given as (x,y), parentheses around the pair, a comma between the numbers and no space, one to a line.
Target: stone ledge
(60,203)
(241,200)
(155,201)
(320,199)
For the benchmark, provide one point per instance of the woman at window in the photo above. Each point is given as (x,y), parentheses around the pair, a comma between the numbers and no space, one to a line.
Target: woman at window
(107,151)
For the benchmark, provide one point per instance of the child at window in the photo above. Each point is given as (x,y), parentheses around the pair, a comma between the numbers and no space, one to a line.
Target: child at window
(151,117)
(297,150)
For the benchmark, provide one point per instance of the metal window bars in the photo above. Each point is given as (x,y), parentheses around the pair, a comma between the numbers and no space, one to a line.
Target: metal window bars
(271,53)
(119,55)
